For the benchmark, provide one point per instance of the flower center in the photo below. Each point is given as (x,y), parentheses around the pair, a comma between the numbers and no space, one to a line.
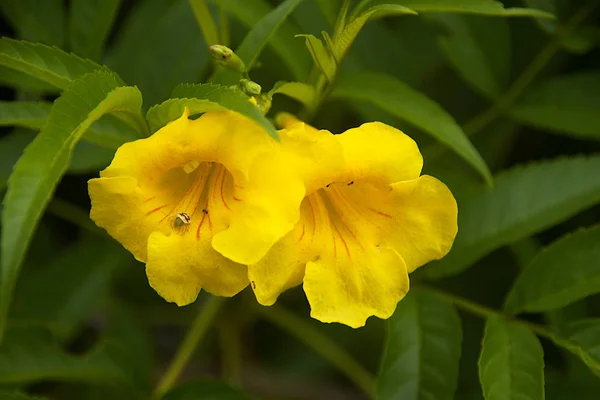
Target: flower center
(192,198)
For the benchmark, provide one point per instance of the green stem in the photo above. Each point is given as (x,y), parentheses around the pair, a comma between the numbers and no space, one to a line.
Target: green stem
(321,344)
(520,84)
(72,213)
(487,312)
(231,352)
(196,332)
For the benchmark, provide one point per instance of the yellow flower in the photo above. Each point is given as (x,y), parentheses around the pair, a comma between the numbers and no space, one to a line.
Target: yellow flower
(367,219)
(173,196)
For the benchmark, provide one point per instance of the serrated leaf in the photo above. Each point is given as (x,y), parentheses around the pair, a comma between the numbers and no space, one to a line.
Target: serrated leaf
(346,37)
(36,20)
(483,7)
(250,12)
(223,96)
(108,132)
(423,348)
(406,103)
(205,389)
(89,25)
(564,104)
(159,46)
(511,365)
(20,80)
(300,91)
(564,272)
(523,201)
(45,160)
(583,340)
(478,49)
(322,57)
(48,64)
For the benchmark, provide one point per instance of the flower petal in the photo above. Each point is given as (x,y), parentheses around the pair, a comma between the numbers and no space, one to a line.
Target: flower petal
(426,220)
(179,266)
(378,152)
(350,289)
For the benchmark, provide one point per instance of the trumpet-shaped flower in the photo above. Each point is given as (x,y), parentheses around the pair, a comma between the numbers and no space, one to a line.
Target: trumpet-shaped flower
(367,219)
(170,197)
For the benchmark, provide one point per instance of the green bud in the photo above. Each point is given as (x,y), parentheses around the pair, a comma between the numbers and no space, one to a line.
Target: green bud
(249,87)
(225,57)
(263,102)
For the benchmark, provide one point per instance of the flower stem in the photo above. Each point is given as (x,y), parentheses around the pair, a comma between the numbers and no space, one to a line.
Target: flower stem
(520,84)
(487,312)
(322,345)
(199,327)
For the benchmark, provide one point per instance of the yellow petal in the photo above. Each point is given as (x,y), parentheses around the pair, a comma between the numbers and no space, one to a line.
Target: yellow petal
(353,286)
(179,265)
(379,153)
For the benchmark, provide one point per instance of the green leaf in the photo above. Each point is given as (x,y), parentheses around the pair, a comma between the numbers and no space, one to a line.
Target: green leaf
(302,92)
(404,102)
(565,104)
(251,12)
(478,49)
(48,64)
(423,348)
(511,365)
(159,47)
(205,22)
(20,80)
(11,148)
(523,201)
(36,20)
(89,25)
(322,58)
(564,272)
(261,34)
(108,132)
(343,42)
(45,160)
(18,396)
(62,308)
(583,340)
(206,390)
(212,96)
(483,7)
(27,114)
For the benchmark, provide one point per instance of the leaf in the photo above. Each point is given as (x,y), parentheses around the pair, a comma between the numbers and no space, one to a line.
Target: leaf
(423,348)
(18,396)
(478,49)
(250,12)
(31,355)
(11,148)
(224,97)
(511,365)
(404,102)
(36,20)
(524,200)
(206,390)
(159,47)
(322,58)
(28,114)
(565,104)
(108,132)
(20,80)
(564,272)
(350,31)
(302,92)
(483,7)
(89,25)
(38,171)
(263,31)
(48,64)
(167,111)
(205,21)
(40,301)
(583,340)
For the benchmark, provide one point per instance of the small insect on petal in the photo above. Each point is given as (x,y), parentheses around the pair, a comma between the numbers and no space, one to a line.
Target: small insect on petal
(182,221)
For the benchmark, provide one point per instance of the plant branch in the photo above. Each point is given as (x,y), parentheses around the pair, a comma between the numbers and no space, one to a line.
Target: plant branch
(203,320)
(321,344)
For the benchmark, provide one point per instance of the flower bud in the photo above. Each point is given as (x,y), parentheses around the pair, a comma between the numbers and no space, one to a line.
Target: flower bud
(249,87)
(225,57)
